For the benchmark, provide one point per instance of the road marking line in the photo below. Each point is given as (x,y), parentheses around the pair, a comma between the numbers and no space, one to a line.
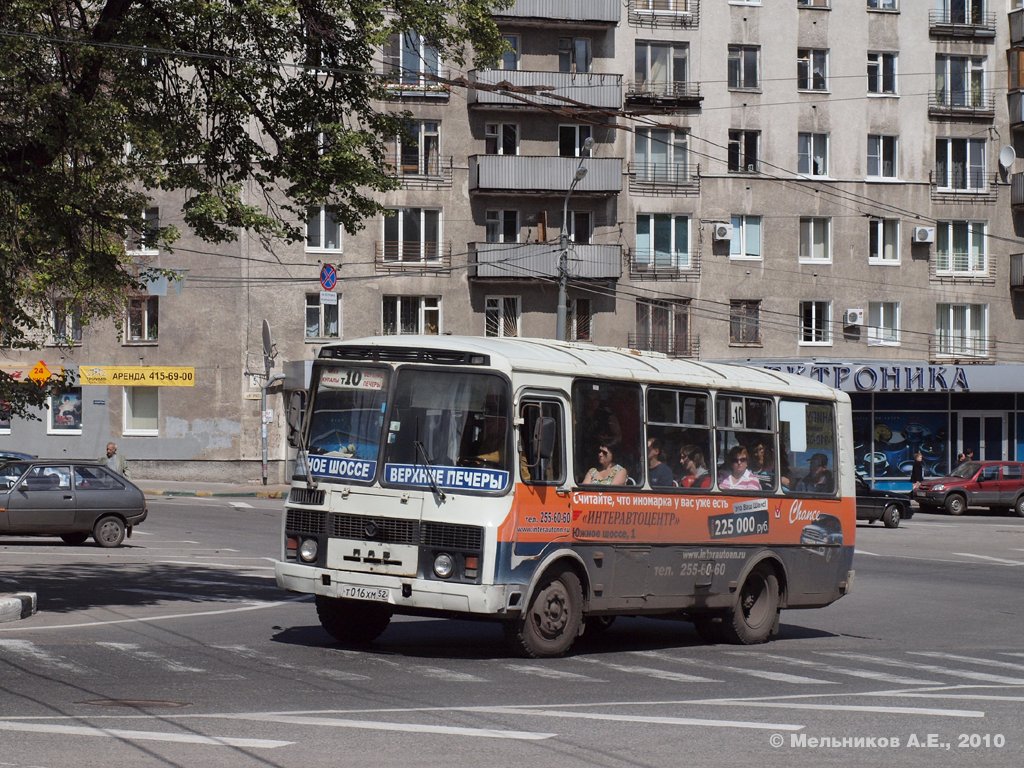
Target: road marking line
(866,674)
(133,649)
(971,659)
(863,552)
(263,658)
(380,725)
(28,649)
(219,565)
(117,733)
(1000,560)
(240,505)
(965,673)
(642,719)
(779,677)
(552,674)
(848,708)
(659,674)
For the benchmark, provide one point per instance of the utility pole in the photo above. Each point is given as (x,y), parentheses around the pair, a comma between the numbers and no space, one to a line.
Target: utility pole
(562,311)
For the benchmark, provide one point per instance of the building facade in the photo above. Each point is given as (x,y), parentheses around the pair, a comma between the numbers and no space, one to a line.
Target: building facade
(828,186)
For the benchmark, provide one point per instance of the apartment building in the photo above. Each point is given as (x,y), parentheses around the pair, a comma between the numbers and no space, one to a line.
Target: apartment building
(829,187)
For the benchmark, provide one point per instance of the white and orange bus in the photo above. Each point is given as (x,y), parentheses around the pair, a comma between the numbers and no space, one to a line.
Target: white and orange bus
(553,486)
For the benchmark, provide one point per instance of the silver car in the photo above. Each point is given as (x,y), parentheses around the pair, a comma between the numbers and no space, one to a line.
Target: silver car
(69,498)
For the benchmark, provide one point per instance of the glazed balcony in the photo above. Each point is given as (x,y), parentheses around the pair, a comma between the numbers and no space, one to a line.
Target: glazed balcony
(1017,192)
(521,173)
(526,89)
(533,260)
(580,11)
(1017,26)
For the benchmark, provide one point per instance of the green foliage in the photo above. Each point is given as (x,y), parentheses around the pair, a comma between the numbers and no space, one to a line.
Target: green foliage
(102,101)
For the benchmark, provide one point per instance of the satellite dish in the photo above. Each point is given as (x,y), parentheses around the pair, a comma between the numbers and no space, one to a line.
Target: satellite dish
(1006,157)
(268,347)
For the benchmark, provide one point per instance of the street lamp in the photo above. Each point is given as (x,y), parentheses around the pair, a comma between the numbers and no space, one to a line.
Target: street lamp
(563,243)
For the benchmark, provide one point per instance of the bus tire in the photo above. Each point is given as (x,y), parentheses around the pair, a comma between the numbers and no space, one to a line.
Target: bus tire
(955,504)
(352,622)
(756,615)
(891,516)
(552,622)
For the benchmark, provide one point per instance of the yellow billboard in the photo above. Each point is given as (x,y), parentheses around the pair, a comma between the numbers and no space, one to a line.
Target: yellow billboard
(137,375)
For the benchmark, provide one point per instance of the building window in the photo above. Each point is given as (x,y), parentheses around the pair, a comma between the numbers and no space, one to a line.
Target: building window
(571,139)
(960,164)
(960,248)
(663,240)
(412,314)
(65,413)
(882,156)
(813,3)
(884,323)
(323,318)
(961,329)
(323,230)
(663,326)
(661,68)
(409,60)
(502,315)
(578,323)
(412,235)
(142,239)
(5,417)
(961,11)
(882,73)
(580,227)
(745,322)
(884,5)
(743,66)
(812,69)
(143,319)
(743,151)
(815,322)
(884,236)
(661,155)
(509,60)
(815,237)
(65,323)
(502,226)
(959,81)
(419,149)
(501,139)
(574,54)
(141,411)
(812,154)
(746,238)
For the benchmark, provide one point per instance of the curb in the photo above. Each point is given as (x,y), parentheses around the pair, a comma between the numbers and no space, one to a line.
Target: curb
(217,494)
(19,605)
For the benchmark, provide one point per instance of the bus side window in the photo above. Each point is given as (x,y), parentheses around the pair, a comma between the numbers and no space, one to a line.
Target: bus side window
(678,423)
(808,453)
(542,423)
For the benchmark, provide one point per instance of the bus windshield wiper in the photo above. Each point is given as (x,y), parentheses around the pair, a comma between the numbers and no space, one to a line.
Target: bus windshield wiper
(421,452)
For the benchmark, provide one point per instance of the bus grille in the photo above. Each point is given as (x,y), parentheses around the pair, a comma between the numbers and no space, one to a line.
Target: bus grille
(310,496)
(304,521)
(452,536)
(375,528)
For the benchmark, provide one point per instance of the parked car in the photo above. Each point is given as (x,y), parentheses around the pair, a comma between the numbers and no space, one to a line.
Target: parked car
(998,485)
(69,498)
(5,455)
(878,504)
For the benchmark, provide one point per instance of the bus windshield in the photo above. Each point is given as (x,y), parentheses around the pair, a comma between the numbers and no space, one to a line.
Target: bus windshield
(448,429)
(346,418)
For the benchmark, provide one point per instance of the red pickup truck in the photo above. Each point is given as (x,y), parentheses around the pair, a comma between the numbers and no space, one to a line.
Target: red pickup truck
(998,485)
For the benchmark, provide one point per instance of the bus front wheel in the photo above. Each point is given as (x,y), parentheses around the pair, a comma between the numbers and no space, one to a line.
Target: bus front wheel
(551,623)
(754,618)
(352,621)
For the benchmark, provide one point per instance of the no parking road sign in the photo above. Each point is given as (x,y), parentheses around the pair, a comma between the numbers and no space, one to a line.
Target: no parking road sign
(328,277)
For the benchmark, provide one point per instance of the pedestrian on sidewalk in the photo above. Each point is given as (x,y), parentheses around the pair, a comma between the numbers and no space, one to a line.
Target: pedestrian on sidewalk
(115,460)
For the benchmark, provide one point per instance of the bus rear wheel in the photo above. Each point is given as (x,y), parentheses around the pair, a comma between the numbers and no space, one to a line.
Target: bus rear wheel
(755,616)
(551,623)
(352,621)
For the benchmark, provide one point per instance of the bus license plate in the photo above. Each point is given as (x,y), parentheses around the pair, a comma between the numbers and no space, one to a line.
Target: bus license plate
(381,594)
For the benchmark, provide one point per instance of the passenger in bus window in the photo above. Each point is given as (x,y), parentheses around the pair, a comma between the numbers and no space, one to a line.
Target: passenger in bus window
(607,471)
(695,468)
(734,474)
(819,478)
(762,463)
(659,472)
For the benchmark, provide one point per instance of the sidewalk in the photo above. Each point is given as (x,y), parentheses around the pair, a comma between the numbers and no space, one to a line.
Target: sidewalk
(217,490)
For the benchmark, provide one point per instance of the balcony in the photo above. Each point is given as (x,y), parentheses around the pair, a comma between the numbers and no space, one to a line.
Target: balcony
(533,260)
(967,104)
(1015,104)
(422,172)
(546,175)
(417,86)
(1017,26)
(676,179)
(944,347)
(644,265)
(1017,271)
(678,345)
(1017,192)
(519,88)
(578,11)
(412,257)
(663,95)
(961,23)
(664,13)
(962,186)
(955,267)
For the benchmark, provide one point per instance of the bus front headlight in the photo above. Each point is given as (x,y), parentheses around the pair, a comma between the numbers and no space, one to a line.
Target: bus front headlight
(444,565)
(308,550)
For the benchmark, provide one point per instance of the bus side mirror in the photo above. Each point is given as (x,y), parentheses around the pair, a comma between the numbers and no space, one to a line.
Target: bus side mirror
(296,409)
(544,438)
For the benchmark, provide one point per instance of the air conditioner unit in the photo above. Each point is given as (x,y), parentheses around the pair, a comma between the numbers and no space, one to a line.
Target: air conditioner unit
(721,231)
(924,234)
(853,317)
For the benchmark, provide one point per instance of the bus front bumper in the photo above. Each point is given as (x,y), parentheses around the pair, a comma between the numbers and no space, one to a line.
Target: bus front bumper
(500,601)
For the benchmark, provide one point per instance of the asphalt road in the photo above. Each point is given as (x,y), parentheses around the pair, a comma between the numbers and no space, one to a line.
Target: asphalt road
(179,650)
